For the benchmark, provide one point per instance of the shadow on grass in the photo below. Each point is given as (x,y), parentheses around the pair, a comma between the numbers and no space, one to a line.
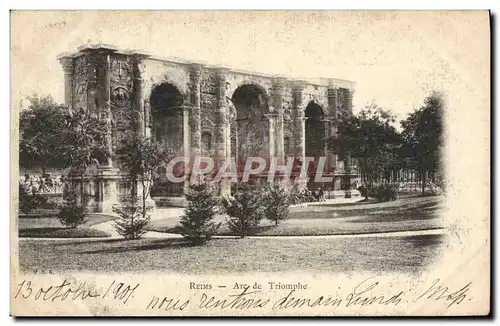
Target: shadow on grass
(61,232)
(140,245)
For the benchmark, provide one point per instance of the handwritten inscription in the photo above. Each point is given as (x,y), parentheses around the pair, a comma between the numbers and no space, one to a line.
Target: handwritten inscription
(438,292)
(367,293)
(73,291)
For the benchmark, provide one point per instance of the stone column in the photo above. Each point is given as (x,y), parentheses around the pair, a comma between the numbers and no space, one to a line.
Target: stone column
(272,119)
(67,63)
(300,125)
(103,96)
(221,126)
(187,141)
(332,108)
(107,176)
(279,88)
(348,99)
(195,118)
(347,164)
(138,103)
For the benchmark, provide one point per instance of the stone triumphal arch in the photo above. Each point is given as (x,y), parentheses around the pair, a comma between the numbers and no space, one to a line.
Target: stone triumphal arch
(198,109)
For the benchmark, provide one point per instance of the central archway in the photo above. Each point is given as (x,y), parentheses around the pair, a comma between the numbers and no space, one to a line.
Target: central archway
(167,122)
(250,127)
(315,136)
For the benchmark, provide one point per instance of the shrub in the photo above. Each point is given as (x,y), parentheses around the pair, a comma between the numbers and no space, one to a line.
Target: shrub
(365,191)
(132,219)
(276,201)
(30,200)
(244,209)
(196,224)
(297,196)
(386,192)
(72,211)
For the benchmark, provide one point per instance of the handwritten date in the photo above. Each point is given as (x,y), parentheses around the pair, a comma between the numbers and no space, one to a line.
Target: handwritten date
(74,291)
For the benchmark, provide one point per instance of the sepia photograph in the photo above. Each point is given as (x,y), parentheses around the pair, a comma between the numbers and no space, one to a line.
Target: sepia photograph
(241,162)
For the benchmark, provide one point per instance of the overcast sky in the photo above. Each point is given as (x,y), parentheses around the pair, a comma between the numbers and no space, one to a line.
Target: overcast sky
(395,58)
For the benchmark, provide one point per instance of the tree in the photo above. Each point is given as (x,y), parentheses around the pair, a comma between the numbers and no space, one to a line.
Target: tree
(84,142)
(370,138)
(132,219)
(423,136)
(276,204)
(30,199)
(244,209)
(40,133)
(72,212)
(143,160)
(197,224)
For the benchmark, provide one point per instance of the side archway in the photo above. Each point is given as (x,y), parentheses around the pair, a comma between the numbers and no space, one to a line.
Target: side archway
(250,131)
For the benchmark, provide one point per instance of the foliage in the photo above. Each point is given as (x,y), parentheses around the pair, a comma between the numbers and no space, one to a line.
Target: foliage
(297,196)
(85,142)
(196,224)
(85,139)
(365,190)
(40,133)
(423,136)
(30,199)
(133,218)
(276,204)
(143,160)
(244,209)
(385,192)
(73,211)
(370,138)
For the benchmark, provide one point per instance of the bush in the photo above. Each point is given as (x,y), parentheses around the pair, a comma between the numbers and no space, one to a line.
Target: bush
(30,200)
(276,202)
(196,224)
(386,192)
(72,211)
(133,219)
(297,196)
(244,209)
(365,191)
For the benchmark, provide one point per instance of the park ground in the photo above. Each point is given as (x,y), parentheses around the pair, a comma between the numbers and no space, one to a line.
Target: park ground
(392,236)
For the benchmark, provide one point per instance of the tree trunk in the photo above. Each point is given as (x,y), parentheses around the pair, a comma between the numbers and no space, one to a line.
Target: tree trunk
(143,197)
(82,195)
(423,181)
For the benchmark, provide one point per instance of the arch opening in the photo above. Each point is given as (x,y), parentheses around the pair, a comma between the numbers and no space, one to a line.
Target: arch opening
(167,122)
(250,126)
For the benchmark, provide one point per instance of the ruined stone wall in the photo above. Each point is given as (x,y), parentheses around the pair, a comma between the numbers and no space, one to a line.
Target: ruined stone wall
(157,72)
(208,110)
(316,94)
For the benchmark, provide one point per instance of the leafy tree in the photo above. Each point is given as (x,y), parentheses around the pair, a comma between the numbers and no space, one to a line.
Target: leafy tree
(133,217)
(370,138)
(276,204)
(196,224)
(84,142)
(244,209)
(30,199)
(423,136)
(72,212)
(142,159)
(40,133)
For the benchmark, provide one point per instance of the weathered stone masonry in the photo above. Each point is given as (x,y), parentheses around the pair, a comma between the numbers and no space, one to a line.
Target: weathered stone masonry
(206,101)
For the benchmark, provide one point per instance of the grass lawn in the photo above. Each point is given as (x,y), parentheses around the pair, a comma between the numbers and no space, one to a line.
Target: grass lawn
(409,214)
(232,255)
(50,227)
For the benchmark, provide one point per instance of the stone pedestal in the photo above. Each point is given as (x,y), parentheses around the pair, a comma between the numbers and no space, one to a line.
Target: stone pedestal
(106,196)
(149,201)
